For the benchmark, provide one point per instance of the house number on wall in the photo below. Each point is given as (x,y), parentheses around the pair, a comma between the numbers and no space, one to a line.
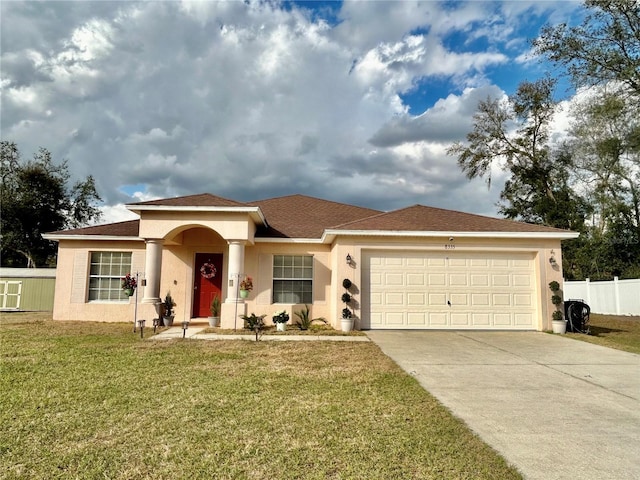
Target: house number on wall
(449,246)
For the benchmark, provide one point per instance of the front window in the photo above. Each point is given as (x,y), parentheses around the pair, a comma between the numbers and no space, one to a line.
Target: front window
(105,276)
(292,279)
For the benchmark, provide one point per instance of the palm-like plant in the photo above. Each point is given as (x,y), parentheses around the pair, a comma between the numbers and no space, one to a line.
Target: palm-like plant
(305,319)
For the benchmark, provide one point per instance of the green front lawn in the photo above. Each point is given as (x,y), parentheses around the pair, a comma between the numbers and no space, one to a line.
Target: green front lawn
(88,400)
(613,331)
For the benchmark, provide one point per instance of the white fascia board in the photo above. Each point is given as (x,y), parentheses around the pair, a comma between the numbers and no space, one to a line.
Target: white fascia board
(110,238)
(254,211)
(287,240)
(330,234)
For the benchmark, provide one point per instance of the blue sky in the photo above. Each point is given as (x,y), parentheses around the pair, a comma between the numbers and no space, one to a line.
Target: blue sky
(354,102)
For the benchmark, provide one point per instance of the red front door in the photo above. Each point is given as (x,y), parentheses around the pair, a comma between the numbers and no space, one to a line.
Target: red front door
(204,288)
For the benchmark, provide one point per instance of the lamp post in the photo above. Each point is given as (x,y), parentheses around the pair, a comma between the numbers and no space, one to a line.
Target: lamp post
(156,323)
(141,325)
(185,325)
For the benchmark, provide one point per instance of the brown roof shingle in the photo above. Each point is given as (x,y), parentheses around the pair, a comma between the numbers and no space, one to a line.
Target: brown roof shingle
(129,228)
(419,218)
(199,200)
(300,216)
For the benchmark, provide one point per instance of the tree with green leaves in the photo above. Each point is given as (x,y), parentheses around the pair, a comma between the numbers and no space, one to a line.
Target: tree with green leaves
(605,135)
(513,135)
(604,48)
(35,199)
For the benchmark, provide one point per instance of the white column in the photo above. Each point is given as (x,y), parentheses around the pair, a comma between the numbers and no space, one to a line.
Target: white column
(153,266)
(236,270)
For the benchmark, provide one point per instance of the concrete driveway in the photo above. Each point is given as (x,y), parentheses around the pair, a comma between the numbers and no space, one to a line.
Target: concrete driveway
(555,408)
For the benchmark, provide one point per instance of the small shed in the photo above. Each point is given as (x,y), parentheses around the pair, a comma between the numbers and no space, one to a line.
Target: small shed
(27,289)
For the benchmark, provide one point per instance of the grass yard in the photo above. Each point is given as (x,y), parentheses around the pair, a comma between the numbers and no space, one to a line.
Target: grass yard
(613,331)
(94,401)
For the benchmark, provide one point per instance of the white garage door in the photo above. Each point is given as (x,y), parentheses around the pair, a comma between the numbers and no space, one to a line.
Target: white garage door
(451,290)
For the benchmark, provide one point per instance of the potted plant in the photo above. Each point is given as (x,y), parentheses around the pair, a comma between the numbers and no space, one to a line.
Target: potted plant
(214,319)
(129,284)
(167,310)
(255,323)
(280,318)
(347,320)
(558,323)
(246,285)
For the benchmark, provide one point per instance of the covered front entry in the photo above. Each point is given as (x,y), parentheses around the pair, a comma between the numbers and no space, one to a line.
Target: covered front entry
(449,290)
(207,282)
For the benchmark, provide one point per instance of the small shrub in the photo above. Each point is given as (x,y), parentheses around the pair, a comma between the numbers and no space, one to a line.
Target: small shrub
(346,283)
(346,298)
(557,315)
(346,313)
(556,299)
(305,321)
(554,286)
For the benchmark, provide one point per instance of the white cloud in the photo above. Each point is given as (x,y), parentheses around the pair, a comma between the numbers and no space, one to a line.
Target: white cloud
(250,100)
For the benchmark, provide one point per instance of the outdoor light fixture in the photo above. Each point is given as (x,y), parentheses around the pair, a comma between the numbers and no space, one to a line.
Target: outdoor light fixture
(185,325)
(349,259)
(156,324)
(552,258)
(141,325)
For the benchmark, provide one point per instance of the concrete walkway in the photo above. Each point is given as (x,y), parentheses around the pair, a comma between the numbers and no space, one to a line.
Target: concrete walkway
(555,408)
(196,333)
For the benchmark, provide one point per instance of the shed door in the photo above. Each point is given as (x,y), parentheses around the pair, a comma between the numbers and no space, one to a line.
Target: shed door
(452,290)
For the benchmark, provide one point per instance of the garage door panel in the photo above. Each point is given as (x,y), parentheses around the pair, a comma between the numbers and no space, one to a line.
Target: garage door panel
(460,319)
(452,290)
(523,319)
(438,319)
(437,299)
(459,299)
(522,300)
(416,262)
(479,280)
(500,280)
(481,319)
(416,299)
(394,319)
(480,299)
(458,280)
(394,299)
(501,300)
(521,280)
(394,279)
(417,319)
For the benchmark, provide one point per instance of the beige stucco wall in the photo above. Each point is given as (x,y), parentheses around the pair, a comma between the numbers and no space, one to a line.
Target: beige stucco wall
(70,302)
(237,226)
(545,272)
(330,268)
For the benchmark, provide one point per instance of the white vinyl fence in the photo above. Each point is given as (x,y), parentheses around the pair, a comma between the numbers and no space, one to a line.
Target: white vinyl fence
(614,297)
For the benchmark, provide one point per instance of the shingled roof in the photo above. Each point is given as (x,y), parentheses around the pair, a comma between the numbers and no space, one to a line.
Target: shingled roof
(130,228)
(419,218)
(301,216)
(198,200)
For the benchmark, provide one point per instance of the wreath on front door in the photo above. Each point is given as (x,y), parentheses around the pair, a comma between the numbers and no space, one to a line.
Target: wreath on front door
(208,270)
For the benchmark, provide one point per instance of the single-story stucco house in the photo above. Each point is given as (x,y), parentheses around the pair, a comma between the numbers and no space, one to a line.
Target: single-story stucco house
(414,268)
